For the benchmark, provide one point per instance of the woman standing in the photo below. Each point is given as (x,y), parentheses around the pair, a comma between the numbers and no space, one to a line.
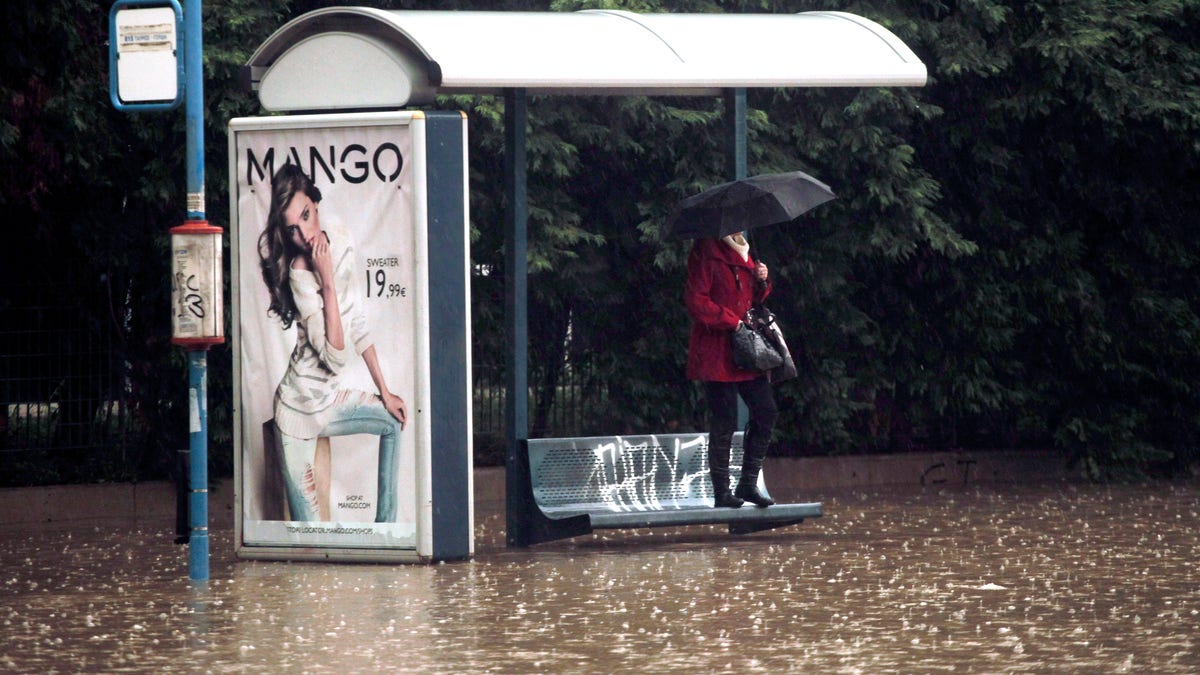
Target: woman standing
(310,275)
(723,282)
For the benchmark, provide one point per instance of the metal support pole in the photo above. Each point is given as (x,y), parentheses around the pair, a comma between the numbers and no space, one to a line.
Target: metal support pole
(735,133)
(516,300)
(735,164)
(193,49)
(198,426)
(197,357)
(191,262)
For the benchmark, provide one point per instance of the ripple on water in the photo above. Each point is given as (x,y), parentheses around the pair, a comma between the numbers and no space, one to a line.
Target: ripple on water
(996,578)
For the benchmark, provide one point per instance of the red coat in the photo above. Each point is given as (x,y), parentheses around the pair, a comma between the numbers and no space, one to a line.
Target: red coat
(716,301)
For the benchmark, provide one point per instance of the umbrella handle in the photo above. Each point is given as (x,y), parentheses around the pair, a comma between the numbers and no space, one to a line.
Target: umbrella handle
(750,246)
(760,282)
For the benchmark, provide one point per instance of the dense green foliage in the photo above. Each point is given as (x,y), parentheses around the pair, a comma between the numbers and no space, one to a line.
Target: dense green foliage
(1008,262)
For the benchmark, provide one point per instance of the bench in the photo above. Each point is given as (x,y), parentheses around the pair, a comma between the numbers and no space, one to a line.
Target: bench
(577,485)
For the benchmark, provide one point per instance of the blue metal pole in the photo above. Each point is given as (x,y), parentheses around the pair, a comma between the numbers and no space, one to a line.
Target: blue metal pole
(194,107)
(197,357)
(198,503)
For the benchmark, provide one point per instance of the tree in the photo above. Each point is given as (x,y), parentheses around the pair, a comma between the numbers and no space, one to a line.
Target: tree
(1008,262)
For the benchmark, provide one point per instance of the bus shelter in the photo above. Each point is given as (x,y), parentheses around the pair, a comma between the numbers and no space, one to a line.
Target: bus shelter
(353,59)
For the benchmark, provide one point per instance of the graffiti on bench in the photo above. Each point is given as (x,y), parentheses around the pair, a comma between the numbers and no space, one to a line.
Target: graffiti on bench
(630,473)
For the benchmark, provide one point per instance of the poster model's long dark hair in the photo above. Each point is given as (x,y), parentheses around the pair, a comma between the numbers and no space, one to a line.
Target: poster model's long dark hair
(276,248)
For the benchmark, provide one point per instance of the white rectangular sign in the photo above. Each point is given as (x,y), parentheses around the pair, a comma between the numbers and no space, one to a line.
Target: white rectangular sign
(147,54)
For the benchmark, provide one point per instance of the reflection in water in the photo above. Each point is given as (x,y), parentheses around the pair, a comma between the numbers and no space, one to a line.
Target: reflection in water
(989,578)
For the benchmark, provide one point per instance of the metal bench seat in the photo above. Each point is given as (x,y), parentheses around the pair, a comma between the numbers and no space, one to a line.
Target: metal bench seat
(598,482)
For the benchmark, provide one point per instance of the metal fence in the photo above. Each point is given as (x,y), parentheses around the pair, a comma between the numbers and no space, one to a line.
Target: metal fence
(66,412)
(562,409)
(63,403)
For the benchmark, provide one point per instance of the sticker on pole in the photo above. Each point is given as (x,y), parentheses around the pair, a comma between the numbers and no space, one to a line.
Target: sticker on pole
(145,64)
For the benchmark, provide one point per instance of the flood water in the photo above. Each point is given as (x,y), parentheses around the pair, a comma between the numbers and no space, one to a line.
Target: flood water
(987,578)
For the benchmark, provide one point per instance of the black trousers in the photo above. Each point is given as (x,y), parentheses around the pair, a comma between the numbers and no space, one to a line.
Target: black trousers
(722,422)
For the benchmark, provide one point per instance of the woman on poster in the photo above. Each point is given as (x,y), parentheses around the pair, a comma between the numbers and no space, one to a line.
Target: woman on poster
(309,271)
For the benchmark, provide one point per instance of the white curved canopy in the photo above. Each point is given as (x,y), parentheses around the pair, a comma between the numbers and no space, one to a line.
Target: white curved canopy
(360,58)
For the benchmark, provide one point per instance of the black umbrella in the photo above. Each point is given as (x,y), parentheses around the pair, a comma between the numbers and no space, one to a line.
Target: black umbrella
(742,205)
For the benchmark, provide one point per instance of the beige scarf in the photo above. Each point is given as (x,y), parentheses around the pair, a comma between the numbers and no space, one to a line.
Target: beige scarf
(738,243)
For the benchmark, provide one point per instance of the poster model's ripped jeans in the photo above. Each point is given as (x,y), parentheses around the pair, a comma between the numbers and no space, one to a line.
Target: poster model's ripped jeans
(357,413)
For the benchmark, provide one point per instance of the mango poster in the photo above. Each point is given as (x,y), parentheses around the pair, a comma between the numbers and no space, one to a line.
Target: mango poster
(326,355)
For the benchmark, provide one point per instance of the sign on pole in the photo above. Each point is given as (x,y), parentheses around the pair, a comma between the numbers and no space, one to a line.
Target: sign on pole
(144,54)
(197,307)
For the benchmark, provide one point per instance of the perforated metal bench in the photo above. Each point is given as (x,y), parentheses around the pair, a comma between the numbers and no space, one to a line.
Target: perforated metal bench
(578,485)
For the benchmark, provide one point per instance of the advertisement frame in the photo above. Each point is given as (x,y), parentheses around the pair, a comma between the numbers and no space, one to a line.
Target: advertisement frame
(441,416)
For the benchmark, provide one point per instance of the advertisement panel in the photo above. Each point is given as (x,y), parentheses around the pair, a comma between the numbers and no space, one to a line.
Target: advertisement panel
(330,294)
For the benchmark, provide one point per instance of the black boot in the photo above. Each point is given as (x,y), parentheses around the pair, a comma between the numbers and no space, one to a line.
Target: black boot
(718,472)
(749,493)
(727,500)
(752,460)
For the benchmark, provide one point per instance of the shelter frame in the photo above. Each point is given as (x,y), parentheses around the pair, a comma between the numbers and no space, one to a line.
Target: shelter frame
(411,57)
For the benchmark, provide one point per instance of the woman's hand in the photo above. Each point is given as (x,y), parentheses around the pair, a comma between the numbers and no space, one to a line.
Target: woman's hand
(391,402)
(322,259)
(322,262)
(395,405)
(760,272)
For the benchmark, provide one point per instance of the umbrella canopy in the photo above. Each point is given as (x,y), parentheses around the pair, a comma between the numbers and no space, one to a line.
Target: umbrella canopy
(742,205)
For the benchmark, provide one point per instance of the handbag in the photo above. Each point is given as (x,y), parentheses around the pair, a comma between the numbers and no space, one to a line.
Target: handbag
(752,350)
(787,369)
(758,344)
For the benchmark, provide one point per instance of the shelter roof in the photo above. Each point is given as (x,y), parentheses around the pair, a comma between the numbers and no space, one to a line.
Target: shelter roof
(362,58)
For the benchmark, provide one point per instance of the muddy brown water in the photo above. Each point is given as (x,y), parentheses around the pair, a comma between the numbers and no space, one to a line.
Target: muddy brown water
(986,578)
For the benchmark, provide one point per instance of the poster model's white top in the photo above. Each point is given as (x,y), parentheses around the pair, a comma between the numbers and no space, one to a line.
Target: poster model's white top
(310,386)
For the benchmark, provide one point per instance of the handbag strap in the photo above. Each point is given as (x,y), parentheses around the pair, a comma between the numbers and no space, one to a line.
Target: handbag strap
(737,279)
(758,310)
